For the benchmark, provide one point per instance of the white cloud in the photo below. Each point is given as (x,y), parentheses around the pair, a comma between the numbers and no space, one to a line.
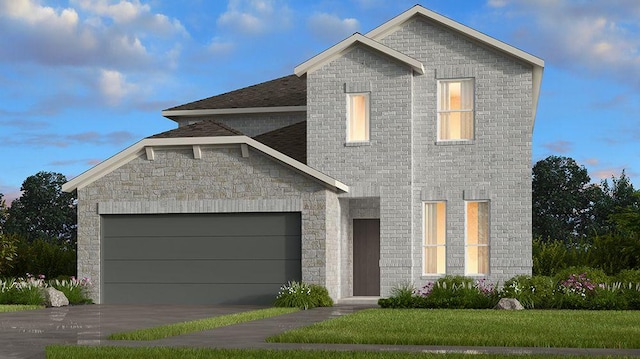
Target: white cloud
(114,87)
(601,38)
(96,33)
(332,28)
(560,146)
(255,17)
(220,47)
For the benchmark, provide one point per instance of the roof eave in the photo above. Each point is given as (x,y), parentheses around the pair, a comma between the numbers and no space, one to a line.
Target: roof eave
(232,111)
(336,50)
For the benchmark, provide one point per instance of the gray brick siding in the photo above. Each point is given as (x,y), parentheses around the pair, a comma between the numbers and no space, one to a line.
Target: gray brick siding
(403,166)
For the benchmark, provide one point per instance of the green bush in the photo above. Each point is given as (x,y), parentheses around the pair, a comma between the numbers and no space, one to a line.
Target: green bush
(8,252)
(41,256)
(321,296)
(30,290)
(302,295)
(455,292)
(628,276)
(535,292)
(22,291)
(77,291)
(595,275)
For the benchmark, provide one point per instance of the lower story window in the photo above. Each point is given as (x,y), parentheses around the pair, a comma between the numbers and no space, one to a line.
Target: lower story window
(477,237)
(435,227)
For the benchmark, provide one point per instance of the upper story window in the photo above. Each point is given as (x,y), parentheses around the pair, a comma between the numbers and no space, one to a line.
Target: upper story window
(358,117)
(435,241)
(455,110)
(477,238)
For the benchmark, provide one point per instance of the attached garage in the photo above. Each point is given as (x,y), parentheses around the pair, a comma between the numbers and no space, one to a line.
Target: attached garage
(221,258)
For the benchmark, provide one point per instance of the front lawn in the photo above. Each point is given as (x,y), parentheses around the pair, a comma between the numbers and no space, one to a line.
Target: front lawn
(5,308)
(170,330)
(527,328)
(78,352)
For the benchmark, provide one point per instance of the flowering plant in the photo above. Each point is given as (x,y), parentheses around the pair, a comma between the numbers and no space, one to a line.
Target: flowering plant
(577,284)
(303,295)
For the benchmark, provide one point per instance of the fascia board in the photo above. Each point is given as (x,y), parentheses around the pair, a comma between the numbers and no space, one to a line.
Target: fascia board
(337,50)
(390,26)
(137,149)
(231,111)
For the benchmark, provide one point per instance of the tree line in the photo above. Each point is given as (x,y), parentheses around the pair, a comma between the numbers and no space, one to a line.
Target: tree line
(38,231)
(580,223)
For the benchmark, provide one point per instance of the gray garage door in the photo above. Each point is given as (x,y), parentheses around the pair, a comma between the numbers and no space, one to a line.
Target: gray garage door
(199,258)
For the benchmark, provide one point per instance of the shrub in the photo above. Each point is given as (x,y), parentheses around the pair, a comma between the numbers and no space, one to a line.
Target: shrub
(628,276)
(302,295)
(458,292)
(30,290)
(76,290)
(22,290)
(41,256)
(594,275)
(448,292)
(8,249)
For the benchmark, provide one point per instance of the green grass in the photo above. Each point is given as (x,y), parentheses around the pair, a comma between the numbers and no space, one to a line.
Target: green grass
(170,330)
(4,308)
(79,352)
(527,328)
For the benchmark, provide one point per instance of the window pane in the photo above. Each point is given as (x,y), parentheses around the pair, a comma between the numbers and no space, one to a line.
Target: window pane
(477,237)
(358,118)
(477,260)
(435,260)
(455,110)
(435,237)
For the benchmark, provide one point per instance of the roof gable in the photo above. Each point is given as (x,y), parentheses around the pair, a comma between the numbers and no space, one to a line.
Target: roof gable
(392,25)
(149,144)
(338,49)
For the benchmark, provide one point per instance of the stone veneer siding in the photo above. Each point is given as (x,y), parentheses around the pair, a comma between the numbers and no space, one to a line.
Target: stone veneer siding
(222,181)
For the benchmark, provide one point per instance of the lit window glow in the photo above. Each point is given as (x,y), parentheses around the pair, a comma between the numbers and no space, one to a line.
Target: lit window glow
(435,227)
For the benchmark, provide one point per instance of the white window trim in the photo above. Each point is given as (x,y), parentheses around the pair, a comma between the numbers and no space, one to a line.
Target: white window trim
(439,111)
(424,246)
(367,116)
(488,245)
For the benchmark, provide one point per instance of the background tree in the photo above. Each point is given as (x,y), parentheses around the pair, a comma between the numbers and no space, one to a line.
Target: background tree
(43,211)
(563,199)
(3,213)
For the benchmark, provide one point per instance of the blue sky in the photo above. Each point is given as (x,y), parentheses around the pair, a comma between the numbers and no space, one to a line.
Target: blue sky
(80,80)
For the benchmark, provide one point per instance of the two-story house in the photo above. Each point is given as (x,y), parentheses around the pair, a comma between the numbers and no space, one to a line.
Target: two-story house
(401,155)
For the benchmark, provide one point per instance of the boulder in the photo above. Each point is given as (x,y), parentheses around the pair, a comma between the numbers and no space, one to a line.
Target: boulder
(54,298)
(509,304)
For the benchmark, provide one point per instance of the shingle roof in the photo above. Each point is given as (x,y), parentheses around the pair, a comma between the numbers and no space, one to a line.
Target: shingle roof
(290,140)
(205,128)
(285,91)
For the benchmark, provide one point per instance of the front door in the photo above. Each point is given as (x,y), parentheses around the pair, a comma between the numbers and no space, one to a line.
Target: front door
(366,257)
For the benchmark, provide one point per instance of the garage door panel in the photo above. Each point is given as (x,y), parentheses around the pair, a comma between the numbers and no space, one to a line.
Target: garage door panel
(194,225)
(260,294)
(259,247)
(227,271)
(240,258)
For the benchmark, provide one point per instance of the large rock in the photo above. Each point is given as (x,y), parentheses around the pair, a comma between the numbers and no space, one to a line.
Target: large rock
(54,298)
(509,304)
